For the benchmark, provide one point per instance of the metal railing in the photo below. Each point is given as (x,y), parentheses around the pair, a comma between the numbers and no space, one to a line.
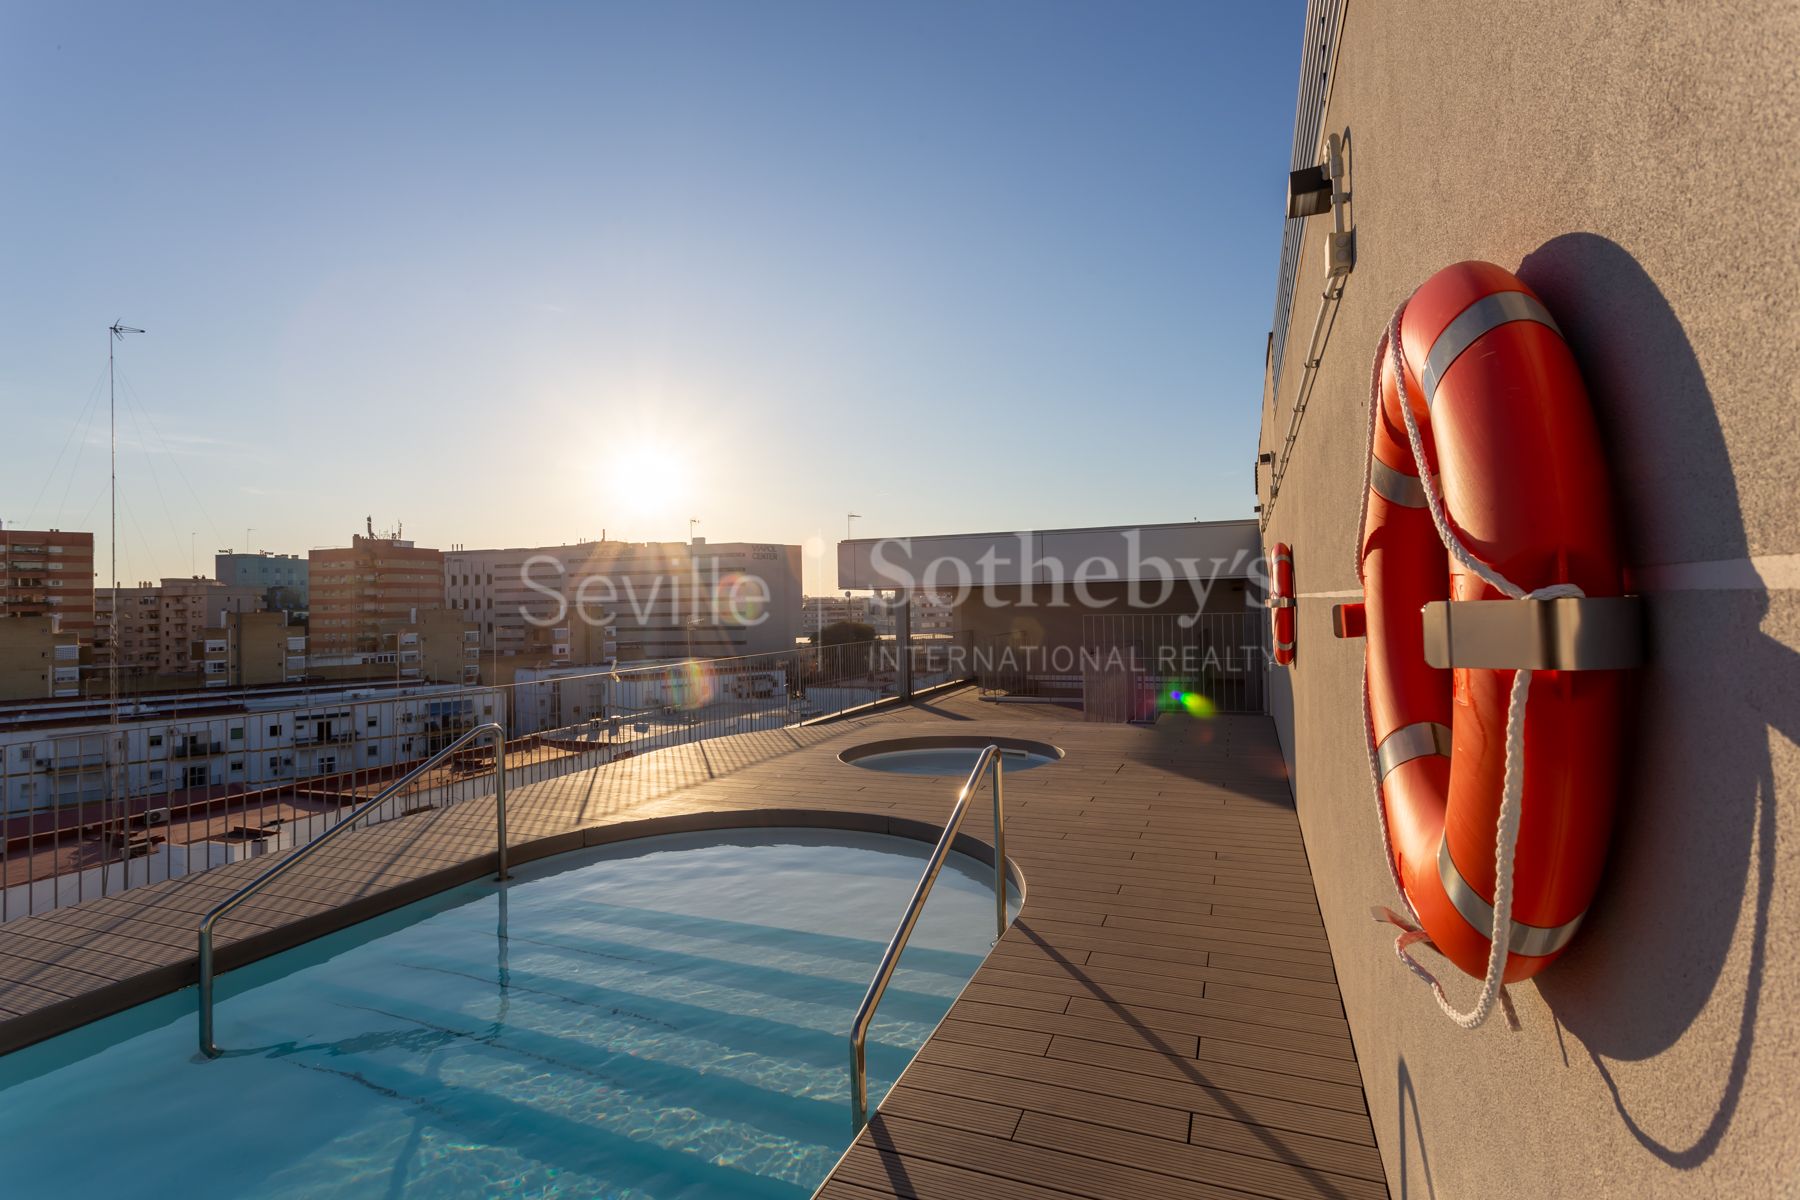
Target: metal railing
(1137,665)
(491,730)
(989,760)
(90,809)
(1317,56)
(1132,666)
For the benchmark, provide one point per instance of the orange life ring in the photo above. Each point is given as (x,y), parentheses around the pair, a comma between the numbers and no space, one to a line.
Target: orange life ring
(1281,602)
(1508,433)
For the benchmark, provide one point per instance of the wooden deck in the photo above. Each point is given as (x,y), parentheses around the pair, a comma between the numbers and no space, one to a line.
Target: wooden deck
(1161,1021)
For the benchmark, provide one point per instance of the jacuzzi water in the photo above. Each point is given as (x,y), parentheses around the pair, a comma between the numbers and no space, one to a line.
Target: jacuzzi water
(662,1019)
(945,760)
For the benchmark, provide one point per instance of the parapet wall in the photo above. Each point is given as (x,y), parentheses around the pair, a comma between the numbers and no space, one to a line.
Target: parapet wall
(1636,166)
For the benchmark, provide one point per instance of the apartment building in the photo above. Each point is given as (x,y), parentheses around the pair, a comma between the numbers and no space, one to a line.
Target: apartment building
(932,613)
(56,755)
(628,600)
(372,586)
(48,573)
(37,660)
(128,630)
(158,623)
(282,577)
(435,645)
(827,610)
(250,649)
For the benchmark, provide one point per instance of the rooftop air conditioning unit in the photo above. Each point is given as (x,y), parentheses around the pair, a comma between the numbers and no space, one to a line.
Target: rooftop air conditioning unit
(156,816)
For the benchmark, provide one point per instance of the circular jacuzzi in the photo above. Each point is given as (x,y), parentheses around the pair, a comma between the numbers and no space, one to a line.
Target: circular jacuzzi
(946,755)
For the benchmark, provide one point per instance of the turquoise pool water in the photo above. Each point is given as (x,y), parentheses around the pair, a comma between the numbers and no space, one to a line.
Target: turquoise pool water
(661,1019)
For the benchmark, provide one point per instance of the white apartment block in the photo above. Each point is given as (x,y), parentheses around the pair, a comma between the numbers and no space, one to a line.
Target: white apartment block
(932,614)
(53,756)
(630,601)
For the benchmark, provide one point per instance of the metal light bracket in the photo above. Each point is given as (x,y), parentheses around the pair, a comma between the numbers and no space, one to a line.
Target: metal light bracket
(1566,634)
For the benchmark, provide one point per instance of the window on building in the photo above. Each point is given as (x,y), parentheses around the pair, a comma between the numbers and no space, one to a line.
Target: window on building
(374,722)
(274,731)
(237,733)
(156,741)
(373,751)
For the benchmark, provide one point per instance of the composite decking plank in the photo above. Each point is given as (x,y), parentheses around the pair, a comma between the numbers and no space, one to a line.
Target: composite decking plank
(1264,1176)
(1038,1165)
(1174,1089)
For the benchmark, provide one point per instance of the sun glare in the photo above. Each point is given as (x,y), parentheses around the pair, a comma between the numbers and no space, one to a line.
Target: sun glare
(647,479)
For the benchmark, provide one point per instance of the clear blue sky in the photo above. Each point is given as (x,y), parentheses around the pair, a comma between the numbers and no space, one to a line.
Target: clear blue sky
(514,274)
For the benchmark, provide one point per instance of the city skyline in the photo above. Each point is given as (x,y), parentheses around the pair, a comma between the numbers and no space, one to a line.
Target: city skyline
(356,304)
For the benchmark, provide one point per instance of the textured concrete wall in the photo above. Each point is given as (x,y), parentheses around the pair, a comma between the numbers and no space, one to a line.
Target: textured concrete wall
(1636,164)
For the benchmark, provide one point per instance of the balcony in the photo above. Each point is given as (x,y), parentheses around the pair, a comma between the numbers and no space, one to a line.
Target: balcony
(91,760)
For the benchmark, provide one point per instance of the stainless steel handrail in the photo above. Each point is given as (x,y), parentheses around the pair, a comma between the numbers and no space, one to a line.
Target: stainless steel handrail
(990,759)
(490,730)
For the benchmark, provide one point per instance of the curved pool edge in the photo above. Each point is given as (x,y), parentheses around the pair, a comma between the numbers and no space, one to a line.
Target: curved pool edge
(26,1029)
(949,741)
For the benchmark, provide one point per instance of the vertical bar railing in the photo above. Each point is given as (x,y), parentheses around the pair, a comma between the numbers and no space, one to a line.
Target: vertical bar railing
(194,797)
(990,759)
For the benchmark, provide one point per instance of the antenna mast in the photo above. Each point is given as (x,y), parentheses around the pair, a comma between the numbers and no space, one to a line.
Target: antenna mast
(115,334)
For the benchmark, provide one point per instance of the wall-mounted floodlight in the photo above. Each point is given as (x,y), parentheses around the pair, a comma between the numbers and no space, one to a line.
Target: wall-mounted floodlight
(1309,192)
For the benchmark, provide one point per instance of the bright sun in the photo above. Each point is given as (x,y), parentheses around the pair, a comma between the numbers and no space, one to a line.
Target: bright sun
(647,479)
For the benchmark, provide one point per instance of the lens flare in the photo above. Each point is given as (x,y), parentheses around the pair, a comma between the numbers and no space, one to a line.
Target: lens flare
(740,599)
(692,686)
(1198,705)
(1192,703)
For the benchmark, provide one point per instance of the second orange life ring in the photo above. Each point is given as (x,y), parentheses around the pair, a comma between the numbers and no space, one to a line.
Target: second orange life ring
(1281,602)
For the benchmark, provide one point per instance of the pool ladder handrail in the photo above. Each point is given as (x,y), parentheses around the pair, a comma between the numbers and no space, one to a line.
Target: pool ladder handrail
(990,759)
(491,729)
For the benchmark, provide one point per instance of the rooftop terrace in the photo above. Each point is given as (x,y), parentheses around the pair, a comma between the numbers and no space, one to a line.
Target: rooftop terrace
(1162,1019)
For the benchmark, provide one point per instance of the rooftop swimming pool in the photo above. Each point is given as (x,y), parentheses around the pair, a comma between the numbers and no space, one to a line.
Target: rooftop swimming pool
(659,1019)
